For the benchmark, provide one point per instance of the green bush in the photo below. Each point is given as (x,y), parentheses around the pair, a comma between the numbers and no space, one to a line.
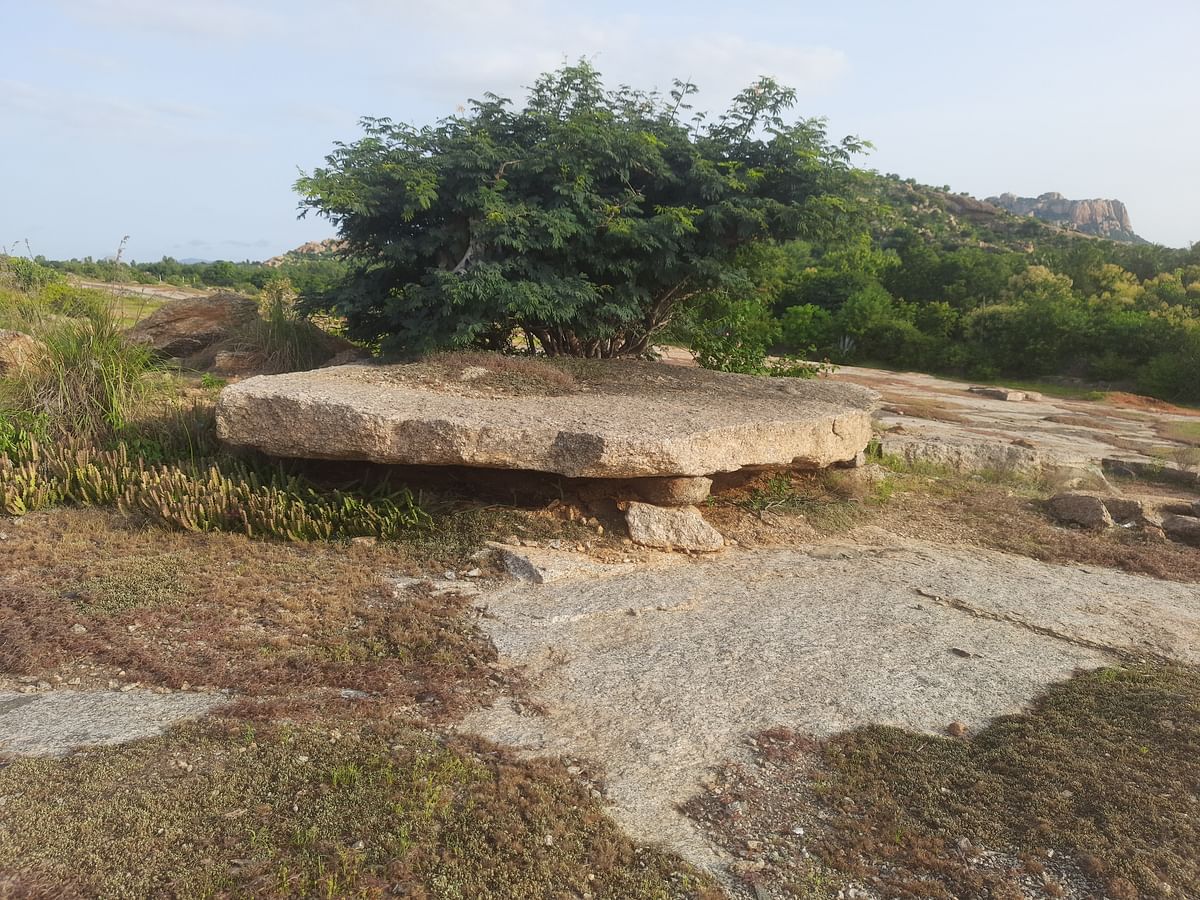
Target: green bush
(25,274)
(1174,375)
(806,326)
(63,299)
(585,220)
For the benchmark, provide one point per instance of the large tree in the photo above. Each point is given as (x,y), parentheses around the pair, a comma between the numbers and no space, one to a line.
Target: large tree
(582,222)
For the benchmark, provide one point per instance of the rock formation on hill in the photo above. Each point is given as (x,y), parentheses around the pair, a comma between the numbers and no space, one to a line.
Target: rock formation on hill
(327,247)
(1102,218)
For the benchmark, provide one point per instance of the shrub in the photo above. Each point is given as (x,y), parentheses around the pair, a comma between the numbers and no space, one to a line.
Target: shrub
(806,326)
(25,274)
(1174,375)
(587,219)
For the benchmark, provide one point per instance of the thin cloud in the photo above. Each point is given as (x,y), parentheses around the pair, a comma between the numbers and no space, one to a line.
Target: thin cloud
(93,114)
(222,20)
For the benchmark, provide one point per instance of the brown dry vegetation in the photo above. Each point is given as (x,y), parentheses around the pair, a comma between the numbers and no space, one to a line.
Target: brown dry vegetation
(262,619)
(922,408)
(1137,401)
(940,507)
(516,375)
(1095,789)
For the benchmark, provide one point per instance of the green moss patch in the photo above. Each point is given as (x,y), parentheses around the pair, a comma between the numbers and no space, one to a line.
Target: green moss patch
(225,808)
(1096,788)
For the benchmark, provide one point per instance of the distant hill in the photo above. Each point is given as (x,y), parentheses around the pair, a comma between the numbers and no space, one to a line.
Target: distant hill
(1101,218)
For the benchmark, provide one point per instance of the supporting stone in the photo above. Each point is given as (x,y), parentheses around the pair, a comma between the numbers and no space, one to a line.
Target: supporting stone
(682,491)
(671,528)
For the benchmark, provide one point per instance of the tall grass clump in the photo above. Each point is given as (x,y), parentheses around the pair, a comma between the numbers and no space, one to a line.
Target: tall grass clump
(284,339)
(84,379)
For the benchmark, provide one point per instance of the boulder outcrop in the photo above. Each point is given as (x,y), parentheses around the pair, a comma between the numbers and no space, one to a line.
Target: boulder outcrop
(16,349)
(186,327)
(578,418)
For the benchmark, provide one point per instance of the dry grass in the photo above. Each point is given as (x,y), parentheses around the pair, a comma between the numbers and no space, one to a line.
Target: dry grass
(266,620)
(1095,788)
(343,809)
(1079,421)
(504,374)
(923,408)
(1182,432)
(938,507)
(297,789)
(1137,401)
(1010,519)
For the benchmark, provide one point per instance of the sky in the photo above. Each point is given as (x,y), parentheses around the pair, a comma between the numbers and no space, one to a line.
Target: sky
(184,123)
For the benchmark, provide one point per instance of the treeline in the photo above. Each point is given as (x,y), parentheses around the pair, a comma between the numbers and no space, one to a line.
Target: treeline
(309,275)
(921,297)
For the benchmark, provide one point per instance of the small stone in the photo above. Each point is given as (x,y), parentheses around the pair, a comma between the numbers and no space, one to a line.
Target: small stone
(1184,529)
(78,629)
(548,840)
(956,729)
(473,573)
(1080,509)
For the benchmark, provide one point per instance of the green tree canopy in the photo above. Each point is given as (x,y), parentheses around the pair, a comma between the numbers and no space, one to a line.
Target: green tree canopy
(587,219)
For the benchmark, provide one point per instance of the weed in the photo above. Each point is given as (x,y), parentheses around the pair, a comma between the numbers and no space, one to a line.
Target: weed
(225,496)
(131,583)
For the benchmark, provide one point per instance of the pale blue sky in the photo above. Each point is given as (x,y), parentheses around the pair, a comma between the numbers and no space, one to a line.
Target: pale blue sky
(183,122)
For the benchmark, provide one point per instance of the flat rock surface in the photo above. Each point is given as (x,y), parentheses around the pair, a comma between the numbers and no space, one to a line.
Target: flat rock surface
(56,722)
(943,421)
(579,418)
(660,672)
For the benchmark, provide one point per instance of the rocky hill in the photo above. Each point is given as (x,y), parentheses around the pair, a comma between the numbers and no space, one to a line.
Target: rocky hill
(1102,218)
(312,249)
